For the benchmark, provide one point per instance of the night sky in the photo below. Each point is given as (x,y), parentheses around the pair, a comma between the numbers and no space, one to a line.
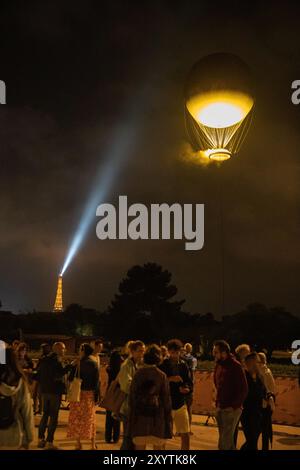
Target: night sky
(72,71)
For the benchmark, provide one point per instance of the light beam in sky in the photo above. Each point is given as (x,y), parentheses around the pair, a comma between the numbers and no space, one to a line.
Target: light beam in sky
(122,144)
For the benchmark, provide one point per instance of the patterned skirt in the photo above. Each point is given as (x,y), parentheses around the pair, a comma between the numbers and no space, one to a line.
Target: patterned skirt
(82,417)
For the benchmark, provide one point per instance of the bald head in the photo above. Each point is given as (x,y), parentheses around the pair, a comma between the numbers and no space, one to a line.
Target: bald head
(59,348)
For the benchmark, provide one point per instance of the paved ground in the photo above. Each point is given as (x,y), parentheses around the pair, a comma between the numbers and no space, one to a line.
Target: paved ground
(203,438)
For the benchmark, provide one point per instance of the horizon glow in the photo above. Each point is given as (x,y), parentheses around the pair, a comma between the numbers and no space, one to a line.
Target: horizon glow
(122,143)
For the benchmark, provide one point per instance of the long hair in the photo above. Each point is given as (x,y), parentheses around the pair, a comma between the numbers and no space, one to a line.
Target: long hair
(115,362)
(11,372)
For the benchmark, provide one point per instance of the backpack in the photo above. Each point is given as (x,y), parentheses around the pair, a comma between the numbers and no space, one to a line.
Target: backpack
(7,411)
(147,399)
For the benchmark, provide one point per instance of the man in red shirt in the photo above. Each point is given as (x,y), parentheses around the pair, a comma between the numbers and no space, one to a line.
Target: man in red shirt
(231,386)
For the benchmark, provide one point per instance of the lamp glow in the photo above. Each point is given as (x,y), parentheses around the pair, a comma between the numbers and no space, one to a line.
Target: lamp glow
(218,105)
(219,109)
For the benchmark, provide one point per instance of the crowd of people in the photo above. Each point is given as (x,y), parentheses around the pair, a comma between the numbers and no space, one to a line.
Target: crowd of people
(157,387)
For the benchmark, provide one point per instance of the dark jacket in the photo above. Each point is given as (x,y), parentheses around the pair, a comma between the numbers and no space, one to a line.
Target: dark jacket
(177,368)
(50,375)
(159,422)
(89,374)
(114,366)
(230,383)
(256,393)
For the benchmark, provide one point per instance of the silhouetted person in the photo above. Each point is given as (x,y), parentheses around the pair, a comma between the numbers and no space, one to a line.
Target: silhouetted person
(51,378)
(112,425)
(251,418)
(37,396)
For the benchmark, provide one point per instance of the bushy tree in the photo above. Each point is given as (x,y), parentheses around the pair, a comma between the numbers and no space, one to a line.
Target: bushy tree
(144,306)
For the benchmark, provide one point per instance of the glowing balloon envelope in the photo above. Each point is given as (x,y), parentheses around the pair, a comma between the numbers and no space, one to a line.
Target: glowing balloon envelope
(218,105)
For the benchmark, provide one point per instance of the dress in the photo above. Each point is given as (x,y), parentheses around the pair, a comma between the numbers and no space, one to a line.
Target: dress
(82,416)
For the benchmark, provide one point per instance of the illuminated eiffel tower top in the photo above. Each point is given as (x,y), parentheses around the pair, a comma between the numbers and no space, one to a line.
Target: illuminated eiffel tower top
(58,305)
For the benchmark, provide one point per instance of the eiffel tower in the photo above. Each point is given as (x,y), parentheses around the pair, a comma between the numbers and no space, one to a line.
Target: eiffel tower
(58,305)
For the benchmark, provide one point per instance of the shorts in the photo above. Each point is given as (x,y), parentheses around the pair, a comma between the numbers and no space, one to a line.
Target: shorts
(148,440)
(181,420)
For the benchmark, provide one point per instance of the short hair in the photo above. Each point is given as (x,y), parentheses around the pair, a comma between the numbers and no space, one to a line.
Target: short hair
(188,347)
(262,357)
(134,345)
(242,348)
(249,357)
(87,349)
(45,347)
(152,355)
(222,345)
(174,345)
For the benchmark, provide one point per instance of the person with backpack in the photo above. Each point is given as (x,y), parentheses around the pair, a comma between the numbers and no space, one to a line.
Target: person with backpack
(181,385)
(16,414)
(150,409)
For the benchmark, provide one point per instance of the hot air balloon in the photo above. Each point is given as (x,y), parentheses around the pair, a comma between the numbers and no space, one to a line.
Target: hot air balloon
(219,104)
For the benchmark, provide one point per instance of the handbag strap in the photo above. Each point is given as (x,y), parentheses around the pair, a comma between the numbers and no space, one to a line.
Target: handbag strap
(77,373)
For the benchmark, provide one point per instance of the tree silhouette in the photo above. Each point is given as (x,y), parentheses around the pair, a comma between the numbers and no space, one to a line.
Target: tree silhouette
(261,327)
(144,307)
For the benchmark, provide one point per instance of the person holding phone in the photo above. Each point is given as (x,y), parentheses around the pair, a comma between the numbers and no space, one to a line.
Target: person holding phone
(181,385)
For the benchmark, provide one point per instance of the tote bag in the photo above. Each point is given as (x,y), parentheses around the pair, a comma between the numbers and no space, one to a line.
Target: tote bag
(114,397)
(75,387)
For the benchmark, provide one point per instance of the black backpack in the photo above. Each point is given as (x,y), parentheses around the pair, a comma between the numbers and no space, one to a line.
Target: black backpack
(147,399)
(7,411)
